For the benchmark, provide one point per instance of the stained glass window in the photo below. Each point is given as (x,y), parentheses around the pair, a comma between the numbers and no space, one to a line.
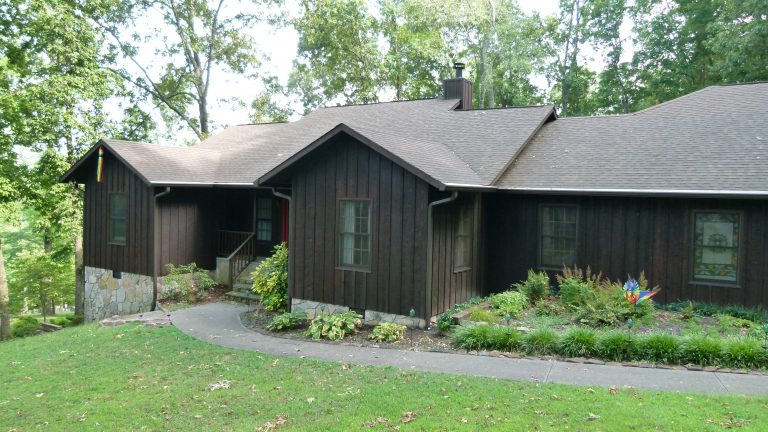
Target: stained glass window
(716,246)
(558,236)
(355,233)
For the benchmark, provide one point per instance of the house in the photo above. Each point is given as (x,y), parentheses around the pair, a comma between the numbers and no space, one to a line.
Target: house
(411,207)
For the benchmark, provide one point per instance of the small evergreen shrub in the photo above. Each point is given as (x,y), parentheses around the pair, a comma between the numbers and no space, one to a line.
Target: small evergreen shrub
(701,350)
(504,339)
(745,353)
(334,326)
(614,346)
(509,302)
(578,342)
(387,332)
(535,287)
(540,342)
(25,326)
(445,321)
(478,314)
(658,348)
(486,337)
(186,283)
(287,321)
(270,280)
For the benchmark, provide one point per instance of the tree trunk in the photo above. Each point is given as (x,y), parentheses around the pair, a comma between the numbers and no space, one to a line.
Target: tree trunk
(79,277)
(46,307)
(5,314)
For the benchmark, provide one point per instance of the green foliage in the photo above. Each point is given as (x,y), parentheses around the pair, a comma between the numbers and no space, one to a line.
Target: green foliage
(25,326)
(614,346)
(657,348)
(387,332)
(486,337)
(540,342)
(535,287)
(745,353)
(478,314)
(509,302)
(334,326)
(270,280)
(445,320)
(42,278)
(578,342)
(757,314)
(701,350)
(287,321)
(186,283)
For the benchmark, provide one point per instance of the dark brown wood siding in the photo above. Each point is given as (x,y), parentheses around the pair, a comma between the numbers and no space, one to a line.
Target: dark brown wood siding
(135,256)
(345,169)
(184,231)
(451,285)
(621,235)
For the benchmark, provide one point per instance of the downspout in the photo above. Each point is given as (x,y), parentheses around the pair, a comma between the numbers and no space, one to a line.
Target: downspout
(290,210)
(430,230)
(154,245)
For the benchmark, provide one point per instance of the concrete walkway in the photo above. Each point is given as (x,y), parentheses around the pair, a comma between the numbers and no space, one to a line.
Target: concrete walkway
(219,324)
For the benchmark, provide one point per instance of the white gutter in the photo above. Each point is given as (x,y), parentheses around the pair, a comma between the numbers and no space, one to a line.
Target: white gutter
(695,192)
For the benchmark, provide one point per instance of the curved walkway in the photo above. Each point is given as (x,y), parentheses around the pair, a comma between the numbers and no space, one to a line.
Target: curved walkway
(219,324)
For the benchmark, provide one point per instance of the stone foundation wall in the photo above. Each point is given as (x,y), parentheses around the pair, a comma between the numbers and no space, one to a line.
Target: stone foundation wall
(106,296)
(313,308)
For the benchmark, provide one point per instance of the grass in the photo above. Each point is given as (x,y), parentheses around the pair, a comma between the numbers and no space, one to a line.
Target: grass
(136,378)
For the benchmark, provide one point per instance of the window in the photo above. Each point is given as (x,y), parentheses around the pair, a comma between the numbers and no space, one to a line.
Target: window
(355,233)
(264,219)
(463,258)
(558,236)
(118,211)
(716,246)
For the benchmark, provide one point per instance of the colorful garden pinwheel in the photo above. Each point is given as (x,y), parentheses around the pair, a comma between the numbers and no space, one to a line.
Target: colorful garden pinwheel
(634,295)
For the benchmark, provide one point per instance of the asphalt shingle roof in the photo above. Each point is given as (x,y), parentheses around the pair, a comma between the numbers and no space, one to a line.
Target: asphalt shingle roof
(712,140)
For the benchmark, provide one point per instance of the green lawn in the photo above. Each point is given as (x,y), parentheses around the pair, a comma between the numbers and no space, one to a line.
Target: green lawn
(136,378)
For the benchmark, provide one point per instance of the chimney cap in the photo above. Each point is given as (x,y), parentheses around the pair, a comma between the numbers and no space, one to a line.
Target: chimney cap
(458,66)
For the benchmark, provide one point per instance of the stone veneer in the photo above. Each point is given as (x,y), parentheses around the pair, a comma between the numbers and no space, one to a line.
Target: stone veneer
(106,296)
(313,308)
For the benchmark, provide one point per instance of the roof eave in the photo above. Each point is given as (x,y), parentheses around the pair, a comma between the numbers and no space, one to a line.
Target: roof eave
(683,193)
(101,143)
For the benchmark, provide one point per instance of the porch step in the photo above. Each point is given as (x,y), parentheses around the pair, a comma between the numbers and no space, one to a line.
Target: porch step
(244,287)
(242,296)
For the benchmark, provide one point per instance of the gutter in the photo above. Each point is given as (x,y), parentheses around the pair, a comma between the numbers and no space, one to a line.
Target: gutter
(290,210)
(154,245)
(428,288)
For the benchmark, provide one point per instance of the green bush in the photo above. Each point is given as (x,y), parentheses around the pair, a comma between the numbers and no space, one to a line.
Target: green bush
(577,288)
(59,321)
(540,342)
(270,280)
(387,332)
(535,287)
(186,283)
(488,337)
(614,346)
(509,302)
(744,353)
(445,321)
(334,326)
(578,342)
(549,309)
(478,314)
(658,348)
(25,326)
(701,350)
(75,320)
(287,321)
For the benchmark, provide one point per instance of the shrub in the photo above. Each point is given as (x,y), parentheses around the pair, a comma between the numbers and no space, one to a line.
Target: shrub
(270,280)
(744,353)
(478,337)
(549,309)
(614,346)
(701,350)
(334,326)
(75,320)
(25,326)
(287,321)
(578,342)
(445,321)
(387,332)
(540,342)
(576,287)
(59,321)
(509,302)
(658,348)
(479,314)
(535,287)
(186,283)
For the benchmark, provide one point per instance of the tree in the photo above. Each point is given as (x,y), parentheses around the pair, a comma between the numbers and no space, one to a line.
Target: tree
(264,109)
(740,42)
(44,279)
(197,39)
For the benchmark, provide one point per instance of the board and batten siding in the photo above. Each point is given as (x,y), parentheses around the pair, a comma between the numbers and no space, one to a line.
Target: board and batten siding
(346,169)
(623,235)
(135,256)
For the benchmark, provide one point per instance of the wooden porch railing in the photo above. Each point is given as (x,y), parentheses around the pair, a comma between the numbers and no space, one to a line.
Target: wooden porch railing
(241,257)
(229,241)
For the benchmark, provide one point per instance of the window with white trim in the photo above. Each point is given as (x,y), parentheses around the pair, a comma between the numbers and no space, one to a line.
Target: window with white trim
(355,233)
(557,246)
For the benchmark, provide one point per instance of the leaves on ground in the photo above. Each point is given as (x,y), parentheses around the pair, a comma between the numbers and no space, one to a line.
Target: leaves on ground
(408,417)
(223,384)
